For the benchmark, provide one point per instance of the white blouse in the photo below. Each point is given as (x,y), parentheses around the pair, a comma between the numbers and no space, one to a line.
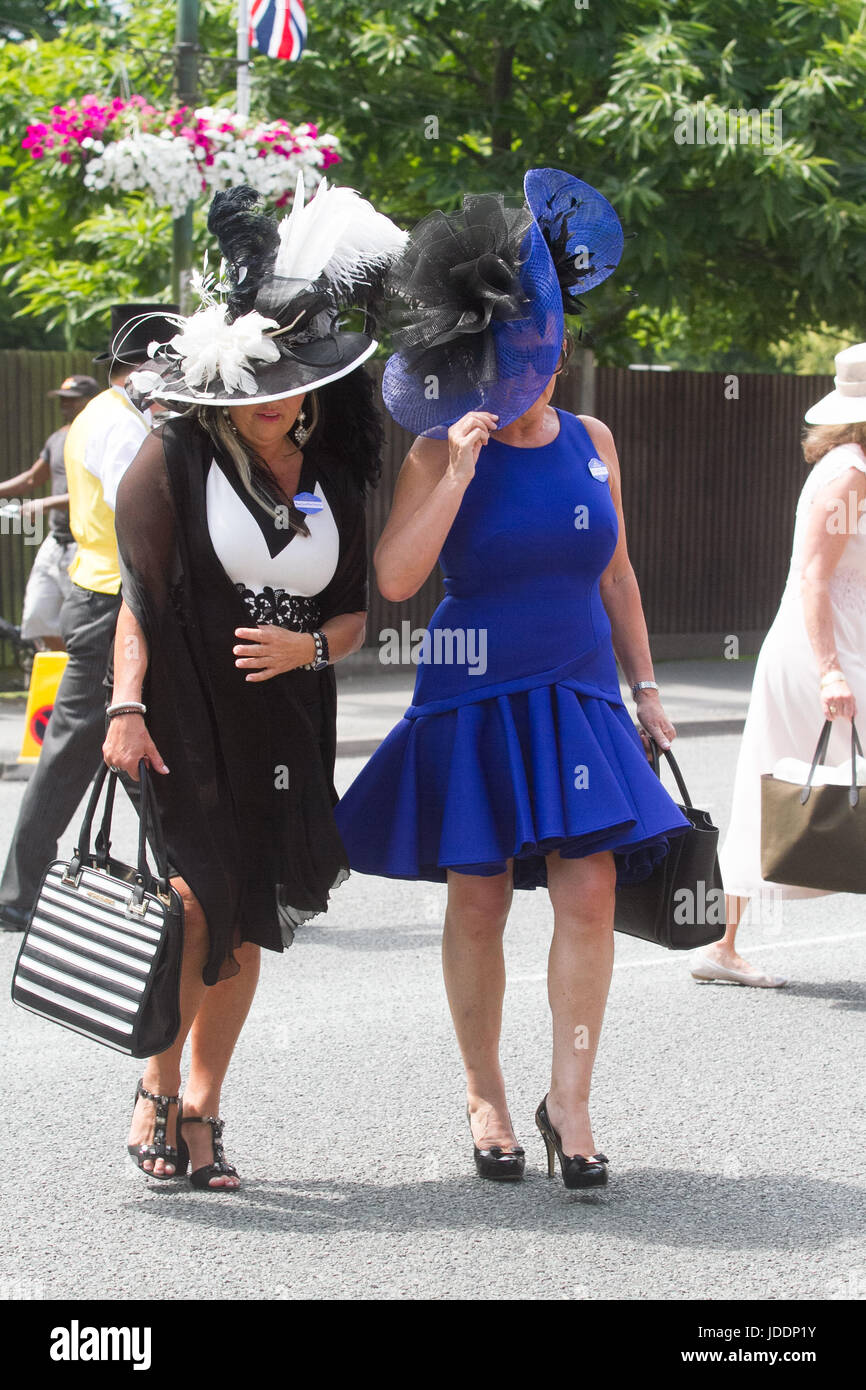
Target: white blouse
(305,565)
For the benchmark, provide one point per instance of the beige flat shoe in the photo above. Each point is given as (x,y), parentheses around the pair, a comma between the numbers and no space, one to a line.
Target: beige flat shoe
(702,968)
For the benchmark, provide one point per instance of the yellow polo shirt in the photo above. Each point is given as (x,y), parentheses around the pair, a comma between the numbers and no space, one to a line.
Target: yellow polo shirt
(101,444)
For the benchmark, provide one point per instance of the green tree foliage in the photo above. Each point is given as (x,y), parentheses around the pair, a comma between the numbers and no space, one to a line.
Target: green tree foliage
(734,247)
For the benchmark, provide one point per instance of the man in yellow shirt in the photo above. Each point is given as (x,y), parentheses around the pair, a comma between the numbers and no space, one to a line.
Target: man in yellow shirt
(101,444)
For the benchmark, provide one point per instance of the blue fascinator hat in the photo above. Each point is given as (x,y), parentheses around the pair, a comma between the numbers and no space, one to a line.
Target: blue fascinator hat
(482,293)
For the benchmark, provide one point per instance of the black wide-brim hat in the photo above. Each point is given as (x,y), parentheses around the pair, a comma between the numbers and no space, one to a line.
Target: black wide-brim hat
(133,328)
(302,368)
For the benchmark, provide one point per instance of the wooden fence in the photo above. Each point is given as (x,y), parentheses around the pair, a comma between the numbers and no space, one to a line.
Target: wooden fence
(27,418)
(710,483)
(711,466)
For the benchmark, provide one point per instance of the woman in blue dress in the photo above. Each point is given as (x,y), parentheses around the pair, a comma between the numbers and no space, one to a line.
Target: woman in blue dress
(517,765)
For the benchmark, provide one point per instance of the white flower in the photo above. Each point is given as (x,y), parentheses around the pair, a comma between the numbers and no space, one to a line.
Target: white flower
(167,167)
(210,347)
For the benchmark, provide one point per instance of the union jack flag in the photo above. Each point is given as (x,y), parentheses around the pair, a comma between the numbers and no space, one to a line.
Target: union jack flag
(278,27)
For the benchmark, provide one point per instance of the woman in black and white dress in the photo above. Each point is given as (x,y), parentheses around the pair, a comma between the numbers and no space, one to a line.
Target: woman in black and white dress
(243,551)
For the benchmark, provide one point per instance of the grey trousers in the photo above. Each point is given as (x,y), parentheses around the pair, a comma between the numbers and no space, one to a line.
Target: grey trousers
(72,750)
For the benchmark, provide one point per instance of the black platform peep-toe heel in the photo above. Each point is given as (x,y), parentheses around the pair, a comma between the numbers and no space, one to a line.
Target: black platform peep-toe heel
(219,1168)
(158,1148)
(577,1171)
(502,1165)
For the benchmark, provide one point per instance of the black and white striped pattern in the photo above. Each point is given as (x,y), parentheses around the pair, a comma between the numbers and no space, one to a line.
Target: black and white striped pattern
(85,962)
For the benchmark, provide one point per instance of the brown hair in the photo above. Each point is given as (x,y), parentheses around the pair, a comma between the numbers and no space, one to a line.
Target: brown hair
(818,440)
(567,350)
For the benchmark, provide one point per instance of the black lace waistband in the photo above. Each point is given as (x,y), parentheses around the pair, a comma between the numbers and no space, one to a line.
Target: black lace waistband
(276,606)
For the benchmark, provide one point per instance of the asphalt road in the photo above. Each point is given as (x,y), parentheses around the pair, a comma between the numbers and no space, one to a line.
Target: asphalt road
(732,1118)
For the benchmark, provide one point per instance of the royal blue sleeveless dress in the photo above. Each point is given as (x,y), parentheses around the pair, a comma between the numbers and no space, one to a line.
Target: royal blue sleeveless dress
(517,742)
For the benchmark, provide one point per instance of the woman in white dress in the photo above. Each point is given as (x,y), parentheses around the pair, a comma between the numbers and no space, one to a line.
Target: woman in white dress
(812,665)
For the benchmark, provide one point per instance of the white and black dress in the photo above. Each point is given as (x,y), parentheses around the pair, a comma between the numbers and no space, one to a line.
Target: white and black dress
(247,804)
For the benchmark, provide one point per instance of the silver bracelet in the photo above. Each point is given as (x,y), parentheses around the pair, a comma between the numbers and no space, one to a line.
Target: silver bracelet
(127,707)
(642,685)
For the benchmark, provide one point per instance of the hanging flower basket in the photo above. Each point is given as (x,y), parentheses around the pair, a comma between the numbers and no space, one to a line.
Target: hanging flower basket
(180,155)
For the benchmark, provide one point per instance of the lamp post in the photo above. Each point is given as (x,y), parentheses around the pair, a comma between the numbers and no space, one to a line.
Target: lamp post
(242,102)
(186,82)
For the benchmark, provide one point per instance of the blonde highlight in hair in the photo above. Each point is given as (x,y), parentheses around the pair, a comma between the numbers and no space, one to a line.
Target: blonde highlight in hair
(216,422)
(818,440)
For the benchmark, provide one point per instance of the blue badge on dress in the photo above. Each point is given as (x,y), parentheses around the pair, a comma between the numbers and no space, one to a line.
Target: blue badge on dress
(308,502)
(598,469)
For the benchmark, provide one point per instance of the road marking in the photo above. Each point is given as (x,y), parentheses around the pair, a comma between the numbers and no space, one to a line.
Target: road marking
(680,957)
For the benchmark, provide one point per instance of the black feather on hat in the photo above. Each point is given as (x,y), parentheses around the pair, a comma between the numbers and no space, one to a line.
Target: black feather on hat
(276,333)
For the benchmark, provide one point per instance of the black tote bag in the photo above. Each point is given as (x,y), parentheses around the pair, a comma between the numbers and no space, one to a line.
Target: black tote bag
(682,903)
(103,947)
(815,837)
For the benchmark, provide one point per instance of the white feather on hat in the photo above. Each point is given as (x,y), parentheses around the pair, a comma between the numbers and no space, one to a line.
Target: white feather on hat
(337,234)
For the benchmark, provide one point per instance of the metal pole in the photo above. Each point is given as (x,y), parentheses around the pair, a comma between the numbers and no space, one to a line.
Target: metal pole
(186,82)
(242,102)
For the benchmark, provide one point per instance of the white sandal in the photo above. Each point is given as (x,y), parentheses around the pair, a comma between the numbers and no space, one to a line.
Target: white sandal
(703,968)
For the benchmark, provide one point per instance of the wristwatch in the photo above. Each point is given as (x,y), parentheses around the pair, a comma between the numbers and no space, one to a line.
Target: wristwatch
(322,658)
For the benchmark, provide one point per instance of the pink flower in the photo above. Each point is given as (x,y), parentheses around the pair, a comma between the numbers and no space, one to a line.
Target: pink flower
(65,157)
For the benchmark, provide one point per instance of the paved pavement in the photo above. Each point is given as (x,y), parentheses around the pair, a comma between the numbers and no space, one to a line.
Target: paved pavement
(700,696)
(732,1117)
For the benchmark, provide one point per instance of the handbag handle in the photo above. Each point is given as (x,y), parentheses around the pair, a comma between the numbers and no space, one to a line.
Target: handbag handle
(821,753)
(674,766)
(149,827)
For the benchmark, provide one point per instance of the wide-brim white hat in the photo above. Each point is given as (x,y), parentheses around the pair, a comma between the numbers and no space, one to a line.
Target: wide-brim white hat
(846,405)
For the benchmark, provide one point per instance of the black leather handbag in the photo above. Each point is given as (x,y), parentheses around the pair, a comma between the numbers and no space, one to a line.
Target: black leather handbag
(102,951)
(682,903)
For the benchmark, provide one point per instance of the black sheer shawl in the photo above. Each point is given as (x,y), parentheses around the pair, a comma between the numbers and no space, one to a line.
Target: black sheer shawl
(247,802)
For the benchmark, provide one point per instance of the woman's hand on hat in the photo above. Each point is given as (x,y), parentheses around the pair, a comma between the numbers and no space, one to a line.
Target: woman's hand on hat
(654,722)
(466,439)
(268,650)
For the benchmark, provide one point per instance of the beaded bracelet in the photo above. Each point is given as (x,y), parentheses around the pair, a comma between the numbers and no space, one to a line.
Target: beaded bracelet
(128,707)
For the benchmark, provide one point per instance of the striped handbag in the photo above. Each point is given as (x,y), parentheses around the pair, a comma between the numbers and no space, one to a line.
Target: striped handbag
(102,951)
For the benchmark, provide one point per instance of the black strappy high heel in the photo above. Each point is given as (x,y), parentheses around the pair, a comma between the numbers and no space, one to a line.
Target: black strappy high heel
(158,1148)
(577,1171)
(502,1165)
(219,1168)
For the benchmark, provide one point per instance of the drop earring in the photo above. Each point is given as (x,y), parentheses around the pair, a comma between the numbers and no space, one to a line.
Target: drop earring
(300,433)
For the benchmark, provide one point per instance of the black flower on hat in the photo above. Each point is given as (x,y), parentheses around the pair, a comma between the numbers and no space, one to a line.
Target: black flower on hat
(459,274)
